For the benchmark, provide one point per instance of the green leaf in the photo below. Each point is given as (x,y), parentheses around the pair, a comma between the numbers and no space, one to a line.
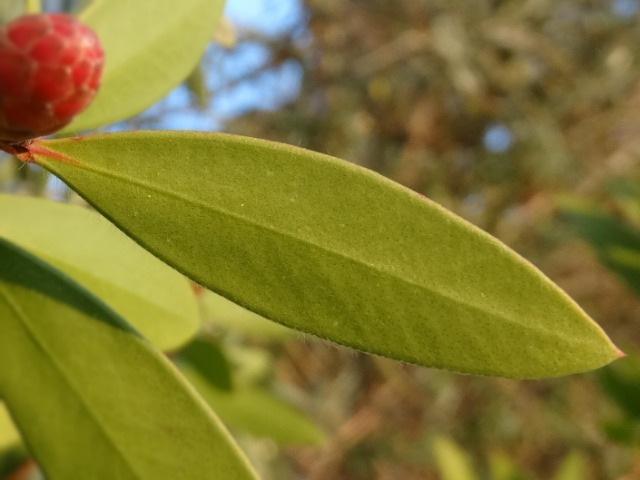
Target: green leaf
(617,246)
(11,9)
(502,467)
(152,297)
(621,382)
(208,359)
(91,398)
(9,436)
(573,467)
(251,365)
(256,412)
(622,430)
(219,311)
(332,249)
(453,463)
(150,47)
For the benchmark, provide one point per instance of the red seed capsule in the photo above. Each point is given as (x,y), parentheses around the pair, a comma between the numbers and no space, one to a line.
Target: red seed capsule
(50,68)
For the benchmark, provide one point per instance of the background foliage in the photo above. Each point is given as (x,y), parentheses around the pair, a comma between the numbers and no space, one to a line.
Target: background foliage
(513,115)
(519,116)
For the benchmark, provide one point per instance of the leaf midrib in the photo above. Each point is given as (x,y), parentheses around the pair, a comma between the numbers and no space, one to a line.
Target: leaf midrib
(195,202)
(67,379)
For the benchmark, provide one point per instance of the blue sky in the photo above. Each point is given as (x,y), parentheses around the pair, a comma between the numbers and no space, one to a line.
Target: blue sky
(267,90)
(273,87)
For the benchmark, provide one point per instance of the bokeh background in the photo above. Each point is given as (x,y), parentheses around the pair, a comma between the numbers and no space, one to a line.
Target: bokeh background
(520,116)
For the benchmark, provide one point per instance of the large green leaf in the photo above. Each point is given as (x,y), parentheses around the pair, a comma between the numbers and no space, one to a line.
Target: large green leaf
(331,249)
(152,297)
(150,47)
(92,398)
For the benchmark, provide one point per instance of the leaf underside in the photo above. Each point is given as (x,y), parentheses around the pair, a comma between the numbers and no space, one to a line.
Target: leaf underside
(93,399)
(332,249)
(155,299)
(150,47)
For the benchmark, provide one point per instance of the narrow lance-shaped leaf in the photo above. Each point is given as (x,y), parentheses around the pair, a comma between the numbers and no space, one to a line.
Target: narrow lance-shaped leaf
(331,249)
(150,47)
(93,399)
(155,299)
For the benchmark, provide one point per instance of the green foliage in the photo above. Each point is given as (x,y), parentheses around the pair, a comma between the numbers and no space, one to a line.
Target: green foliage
(617,245)
(88,384)
(573,467)
(154,299)
(452,461)
(252,410)
(331,249)
(622,383)
(10,10)
(150,47)
(301,238)
(219,312)
(209,361)
(502,467)
(9,436)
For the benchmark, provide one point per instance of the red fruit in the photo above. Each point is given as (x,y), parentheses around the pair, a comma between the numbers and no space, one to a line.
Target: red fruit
(50,67)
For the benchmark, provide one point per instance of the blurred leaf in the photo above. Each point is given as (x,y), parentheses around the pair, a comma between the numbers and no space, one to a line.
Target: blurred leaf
(208,359)
(617,246)
(10,9)
(154,298)
(150,46)
(225,34)
(624,430)
(453,463)
(621,382)
(91,398)
(250,365)
(504,468)
(220,311)
(627,199)
(573,467)
(332,249)
(9,436)
(256,412)
(197,84)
